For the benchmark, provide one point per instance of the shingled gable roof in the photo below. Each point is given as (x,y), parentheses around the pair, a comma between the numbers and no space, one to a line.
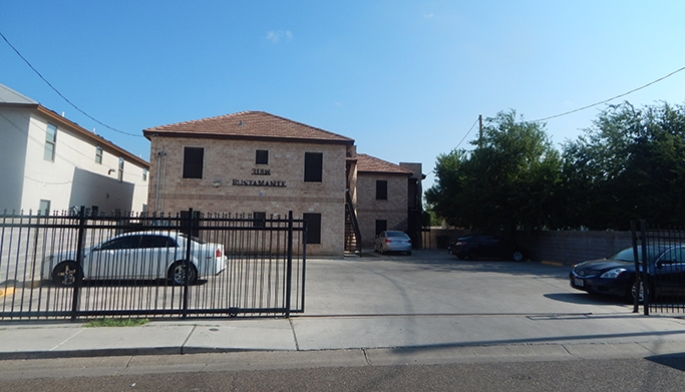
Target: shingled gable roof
(249,125)
(369,164)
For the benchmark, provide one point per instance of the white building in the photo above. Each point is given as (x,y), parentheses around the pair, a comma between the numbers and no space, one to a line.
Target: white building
(52,164)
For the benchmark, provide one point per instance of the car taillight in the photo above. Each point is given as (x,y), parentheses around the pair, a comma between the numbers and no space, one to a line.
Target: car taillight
(460,243)
(387,240)
(218,253)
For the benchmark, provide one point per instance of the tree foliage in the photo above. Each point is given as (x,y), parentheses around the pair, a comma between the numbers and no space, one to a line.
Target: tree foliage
(630,164)
(506,183)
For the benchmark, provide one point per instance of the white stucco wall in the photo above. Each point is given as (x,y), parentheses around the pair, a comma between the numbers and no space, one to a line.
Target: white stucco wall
(13,125)
(73,178)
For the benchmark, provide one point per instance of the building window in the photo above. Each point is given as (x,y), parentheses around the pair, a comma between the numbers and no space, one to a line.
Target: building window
(313,166)
(313,227)
(120,174)
(262,157)
(193,160)
(144,174)
(381,190)
(259,219)
(50,143)
(44,208)
(98,154)
(381,226)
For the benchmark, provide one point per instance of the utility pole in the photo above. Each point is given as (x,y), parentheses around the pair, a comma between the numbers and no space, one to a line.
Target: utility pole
(480,130)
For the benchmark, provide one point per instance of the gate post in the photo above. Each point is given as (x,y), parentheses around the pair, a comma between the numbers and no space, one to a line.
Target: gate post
(186,263)
(636,257)
(79,258)
(644,279)
(289,272)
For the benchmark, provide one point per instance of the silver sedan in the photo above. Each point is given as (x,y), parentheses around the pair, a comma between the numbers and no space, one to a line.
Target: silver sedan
(392,241)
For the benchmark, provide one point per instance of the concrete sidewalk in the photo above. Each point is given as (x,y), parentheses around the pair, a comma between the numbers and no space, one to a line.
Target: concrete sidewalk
(431,337)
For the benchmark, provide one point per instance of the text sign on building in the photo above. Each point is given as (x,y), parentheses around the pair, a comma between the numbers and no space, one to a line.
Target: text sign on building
(260,172)
(270,183)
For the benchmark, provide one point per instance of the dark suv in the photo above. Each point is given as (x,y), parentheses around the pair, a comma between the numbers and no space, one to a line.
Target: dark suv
(478,246)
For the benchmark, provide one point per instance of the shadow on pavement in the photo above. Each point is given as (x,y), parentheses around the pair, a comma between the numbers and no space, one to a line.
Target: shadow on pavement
(675,361)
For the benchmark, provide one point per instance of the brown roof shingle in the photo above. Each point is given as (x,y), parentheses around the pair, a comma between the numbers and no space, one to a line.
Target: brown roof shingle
(369,164)
(250,125)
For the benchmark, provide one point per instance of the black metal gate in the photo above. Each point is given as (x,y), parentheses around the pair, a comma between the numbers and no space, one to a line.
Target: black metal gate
(190,264)
(661,269)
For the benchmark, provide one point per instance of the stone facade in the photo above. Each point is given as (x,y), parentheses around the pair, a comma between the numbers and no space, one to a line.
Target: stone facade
(233,182)
(232,177)
(393,210)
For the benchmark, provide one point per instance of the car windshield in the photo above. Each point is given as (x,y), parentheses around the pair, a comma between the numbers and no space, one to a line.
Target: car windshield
(627,254)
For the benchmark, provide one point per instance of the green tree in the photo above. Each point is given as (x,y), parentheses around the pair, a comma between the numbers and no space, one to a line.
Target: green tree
(629,165)
(508,182)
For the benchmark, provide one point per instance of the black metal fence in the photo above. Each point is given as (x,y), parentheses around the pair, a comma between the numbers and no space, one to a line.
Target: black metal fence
(661,272)
(189,264)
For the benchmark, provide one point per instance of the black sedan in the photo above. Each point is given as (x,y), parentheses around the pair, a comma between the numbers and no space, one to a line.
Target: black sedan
(478,246)
(615,275)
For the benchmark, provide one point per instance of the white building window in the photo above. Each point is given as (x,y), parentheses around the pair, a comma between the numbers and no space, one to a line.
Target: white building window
(44,208)
(98,154)
(50,143)
(121,169)
(144,174)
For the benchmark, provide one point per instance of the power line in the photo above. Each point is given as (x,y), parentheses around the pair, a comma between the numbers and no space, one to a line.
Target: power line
(612,98)
(467,133)
(60,94)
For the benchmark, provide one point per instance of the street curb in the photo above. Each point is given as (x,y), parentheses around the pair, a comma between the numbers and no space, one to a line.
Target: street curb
(553,263)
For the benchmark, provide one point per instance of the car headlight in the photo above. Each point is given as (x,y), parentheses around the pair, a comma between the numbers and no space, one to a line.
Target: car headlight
(613,274)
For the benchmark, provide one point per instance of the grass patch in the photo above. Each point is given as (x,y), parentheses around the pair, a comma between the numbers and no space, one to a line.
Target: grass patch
(117,322)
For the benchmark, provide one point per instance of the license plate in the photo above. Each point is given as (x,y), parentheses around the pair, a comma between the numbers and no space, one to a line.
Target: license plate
(578,282)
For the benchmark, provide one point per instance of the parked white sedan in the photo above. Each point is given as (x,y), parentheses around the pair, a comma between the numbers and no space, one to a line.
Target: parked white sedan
(138,255)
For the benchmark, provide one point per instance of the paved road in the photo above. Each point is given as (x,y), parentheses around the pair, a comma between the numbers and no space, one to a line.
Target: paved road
(198,373)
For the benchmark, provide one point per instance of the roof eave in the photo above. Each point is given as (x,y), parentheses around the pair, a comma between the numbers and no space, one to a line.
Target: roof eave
(84,132)
(149,133)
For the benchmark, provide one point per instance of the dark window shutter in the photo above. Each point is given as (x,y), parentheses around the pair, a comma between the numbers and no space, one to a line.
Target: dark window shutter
(313,166)
(193,160)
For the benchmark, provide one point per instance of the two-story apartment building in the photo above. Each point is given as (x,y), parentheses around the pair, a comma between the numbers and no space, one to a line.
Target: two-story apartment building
(261,164)
(52,164)
(257,163)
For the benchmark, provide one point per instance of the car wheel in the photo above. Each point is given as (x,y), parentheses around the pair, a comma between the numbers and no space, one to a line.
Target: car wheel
(517,255)
(630,296)
(470,255)
(66,273)
(177,273)
(409,253)
(633,291)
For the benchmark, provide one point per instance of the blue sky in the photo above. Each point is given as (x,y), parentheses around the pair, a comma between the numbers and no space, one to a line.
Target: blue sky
(405,79)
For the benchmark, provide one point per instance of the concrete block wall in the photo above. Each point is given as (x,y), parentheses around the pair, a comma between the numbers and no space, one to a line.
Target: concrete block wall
(571,247)
(566,247)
